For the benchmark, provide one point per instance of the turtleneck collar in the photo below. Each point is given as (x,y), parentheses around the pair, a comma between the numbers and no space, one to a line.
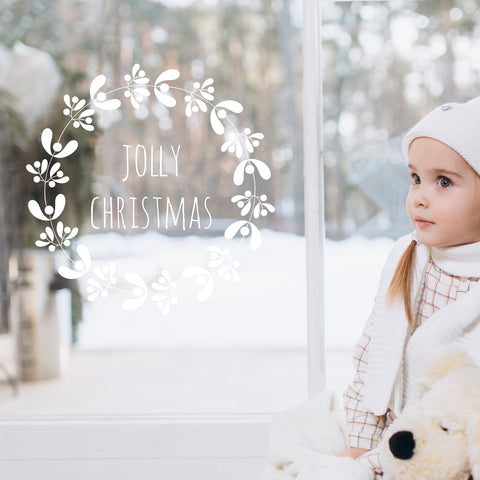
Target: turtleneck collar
(461,261)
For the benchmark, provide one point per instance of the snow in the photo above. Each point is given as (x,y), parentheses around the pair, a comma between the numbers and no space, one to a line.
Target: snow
(244,351)
(265,309)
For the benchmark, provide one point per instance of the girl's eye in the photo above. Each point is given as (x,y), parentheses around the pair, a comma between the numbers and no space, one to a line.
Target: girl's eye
(444,182)
(415,179)
(445,429)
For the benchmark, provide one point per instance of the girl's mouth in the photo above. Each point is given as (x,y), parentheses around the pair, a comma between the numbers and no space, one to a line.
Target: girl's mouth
(423,223)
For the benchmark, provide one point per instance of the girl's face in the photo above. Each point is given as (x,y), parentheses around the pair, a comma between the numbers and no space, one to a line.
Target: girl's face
(444,200)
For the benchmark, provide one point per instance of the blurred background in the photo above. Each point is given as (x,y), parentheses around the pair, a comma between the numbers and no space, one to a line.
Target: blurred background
(385,64)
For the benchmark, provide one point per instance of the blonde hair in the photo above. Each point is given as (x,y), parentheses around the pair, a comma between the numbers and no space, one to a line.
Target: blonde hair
(401,284)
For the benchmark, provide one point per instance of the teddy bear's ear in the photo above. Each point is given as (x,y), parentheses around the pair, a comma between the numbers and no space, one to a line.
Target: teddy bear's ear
(439,366)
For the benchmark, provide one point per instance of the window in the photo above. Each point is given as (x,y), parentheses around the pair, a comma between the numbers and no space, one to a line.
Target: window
(154,189)
(182,306)
(385,65)
(191,392)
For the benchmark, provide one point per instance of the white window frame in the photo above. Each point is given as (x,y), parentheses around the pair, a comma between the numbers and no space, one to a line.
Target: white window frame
(149,448)
(186,447)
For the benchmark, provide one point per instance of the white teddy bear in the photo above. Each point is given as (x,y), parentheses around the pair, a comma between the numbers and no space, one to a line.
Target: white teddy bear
(437,437)
(303,441)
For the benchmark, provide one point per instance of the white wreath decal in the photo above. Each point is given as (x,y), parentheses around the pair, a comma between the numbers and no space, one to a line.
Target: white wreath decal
(164,292)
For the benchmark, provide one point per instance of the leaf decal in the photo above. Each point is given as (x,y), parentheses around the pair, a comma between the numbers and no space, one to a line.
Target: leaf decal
(55,168)
(50,233)
(36,211)
(60,202)
(234,228)
(245,228)
(239,174)
(218,113)
(44,166)
(80,267)
(56,150)
(139,291)
(80,105)
(161,88)
(231,105)
(216,124)
(51,213)
(46,139)
(69,148)
(31,169)
(135,69)
(97,83)
(248,166)
(167,75)
(87,113)
(165,99)
(203,278)
(262,168)
(99,98)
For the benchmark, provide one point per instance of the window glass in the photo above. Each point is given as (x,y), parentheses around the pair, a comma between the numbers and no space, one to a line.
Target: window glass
(386,64)
(169,134)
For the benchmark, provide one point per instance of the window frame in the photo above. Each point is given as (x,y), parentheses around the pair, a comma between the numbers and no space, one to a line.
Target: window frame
(123,448)
(314,194)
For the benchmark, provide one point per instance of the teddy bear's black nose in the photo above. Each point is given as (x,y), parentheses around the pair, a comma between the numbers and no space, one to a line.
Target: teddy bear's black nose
(402,445)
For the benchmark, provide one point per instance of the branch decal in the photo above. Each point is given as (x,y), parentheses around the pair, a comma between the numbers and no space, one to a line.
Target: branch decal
(165,291)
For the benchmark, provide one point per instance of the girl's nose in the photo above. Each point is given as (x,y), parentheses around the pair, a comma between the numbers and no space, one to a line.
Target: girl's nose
(420,198)
(419,202)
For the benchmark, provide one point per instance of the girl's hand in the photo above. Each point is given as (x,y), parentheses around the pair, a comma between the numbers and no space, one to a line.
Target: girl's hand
(351,452)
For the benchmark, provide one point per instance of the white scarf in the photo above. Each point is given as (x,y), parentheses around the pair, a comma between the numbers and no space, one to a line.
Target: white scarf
(461,261)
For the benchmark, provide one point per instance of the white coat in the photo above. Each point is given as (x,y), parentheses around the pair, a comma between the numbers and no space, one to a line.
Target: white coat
(393,354)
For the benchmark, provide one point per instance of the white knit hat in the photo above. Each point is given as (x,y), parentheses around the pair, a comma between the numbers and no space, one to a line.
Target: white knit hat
(454,124)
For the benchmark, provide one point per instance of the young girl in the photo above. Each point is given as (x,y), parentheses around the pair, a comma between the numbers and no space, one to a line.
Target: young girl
(429,296)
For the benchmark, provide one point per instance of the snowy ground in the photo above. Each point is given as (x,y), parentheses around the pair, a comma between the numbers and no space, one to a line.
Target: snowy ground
(242,351)
(265,308)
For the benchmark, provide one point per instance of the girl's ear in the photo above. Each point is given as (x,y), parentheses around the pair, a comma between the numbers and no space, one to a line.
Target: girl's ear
(438,367)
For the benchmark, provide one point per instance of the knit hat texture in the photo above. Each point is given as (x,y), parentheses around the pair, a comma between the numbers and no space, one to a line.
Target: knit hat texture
(454,124)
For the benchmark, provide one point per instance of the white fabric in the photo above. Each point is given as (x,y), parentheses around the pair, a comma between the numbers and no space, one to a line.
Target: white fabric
(458,324)
(341,469)
(462,261)
(454,124)
(303,440)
